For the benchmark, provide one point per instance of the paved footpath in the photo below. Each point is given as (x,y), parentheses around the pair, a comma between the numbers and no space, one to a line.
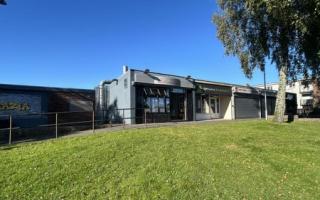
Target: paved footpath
(117,128)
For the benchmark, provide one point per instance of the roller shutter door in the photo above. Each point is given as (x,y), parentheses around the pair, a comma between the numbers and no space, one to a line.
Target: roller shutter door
(247,107)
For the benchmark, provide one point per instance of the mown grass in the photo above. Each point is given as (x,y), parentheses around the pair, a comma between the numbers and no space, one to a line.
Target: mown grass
(227,160)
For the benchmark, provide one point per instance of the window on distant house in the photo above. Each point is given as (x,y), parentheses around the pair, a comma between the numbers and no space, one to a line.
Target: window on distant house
(125,83)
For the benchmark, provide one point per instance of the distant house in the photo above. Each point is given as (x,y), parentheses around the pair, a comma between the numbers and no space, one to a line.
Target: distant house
(304,94)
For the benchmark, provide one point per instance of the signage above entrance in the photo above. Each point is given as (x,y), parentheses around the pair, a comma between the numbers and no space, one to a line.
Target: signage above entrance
(178,90)
(246,90)
(213,89)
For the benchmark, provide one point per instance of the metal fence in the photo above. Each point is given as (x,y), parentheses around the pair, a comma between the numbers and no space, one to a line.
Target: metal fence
(38,126)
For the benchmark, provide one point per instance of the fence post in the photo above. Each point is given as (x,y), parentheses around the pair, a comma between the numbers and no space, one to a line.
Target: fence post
(111,118)
(124,122)
(56,125)
(145,117)
(93,121)
(10,129)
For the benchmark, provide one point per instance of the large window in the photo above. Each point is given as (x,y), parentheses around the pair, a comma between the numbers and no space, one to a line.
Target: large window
(157,100)
(205,104)
(202,104)
(167,105)
(162,107)
(148,104)
(155,104)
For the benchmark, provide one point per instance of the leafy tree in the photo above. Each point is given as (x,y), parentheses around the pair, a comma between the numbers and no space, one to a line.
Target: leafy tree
(279,30)
(311,47)
(3,2)
(316,95)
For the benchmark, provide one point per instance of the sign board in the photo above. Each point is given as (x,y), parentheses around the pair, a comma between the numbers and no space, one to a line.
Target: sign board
(215,89)
(178,90)
(246,90)
(19,104)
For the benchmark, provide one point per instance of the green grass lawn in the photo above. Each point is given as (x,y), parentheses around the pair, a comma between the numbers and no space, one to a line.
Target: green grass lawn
(225,160)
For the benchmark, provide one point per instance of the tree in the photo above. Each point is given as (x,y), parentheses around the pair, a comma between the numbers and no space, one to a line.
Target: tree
(3,2)
(257,30)
(311,46)
(316,95)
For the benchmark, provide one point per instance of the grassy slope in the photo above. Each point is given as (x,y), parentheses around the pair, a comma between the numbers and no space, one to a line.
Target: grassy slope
(208,161)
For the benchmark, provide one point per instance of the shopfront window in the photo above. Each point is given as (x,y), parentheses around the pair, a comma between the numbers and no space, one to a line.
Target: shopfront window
(155,104)
(162,107)
(157,100)
(168,105)
(148,104)
(202,102)
(205,104)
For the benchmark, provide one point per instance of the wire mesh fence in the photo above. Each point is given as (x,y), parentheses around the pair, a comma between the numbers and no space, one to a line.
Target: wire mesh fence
(40,126)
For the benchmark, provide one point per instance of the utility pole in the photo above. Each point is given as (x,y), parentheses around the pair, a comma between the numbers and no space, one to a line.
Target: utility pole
(265,94)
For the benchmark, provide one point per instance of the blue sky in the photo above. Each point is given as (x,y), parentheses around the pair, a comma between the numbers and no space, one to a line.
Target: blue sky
(78,43)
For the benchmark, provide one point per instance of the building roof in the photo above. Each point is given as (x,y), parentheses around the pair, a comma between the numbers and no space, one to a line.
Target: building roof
(42,88)
(201,81)
(196,80)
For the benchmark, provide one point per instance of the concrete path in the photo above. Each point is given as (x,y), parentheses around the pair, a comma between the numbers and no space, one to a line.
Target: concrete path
(117,128)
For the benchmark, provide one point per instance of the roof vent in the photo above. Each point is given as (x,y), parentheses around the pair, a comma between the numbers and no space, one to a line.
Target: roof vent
(147,71)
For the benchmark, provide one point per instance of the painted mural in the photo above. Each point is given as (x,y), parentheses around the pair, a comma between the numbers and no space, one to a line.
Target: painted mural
(19,103)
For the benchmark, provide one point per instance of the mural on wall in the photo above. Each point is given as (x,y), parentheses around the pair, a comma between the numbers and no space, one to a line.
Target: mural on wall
(19,104)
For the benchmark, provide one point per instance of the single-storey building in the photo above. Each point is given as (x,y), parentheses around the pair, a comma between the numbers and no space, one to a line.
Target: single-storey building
(139,96)
(30,105)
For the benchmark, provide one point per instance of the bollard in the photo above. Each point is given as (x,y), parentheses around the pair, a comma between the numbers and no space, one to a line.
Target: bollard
(56,125)
(10,129)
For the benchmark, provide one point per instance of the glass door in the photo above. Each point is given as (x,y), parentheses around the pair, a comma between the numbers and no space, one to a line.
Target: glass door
(215,107)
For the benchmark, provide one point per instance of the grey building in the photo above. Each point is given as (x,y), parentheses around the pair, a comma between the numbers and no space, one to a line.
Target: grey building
(139,96)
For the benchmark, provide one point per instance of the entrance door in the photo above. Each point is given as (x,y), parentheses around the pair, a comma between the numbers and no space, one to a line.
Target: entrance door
(177,106)
(215,107)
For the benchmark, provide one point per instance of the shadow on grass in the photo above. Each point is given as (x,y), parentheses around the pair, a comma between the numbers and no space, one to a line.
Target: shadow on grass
(290,118)
(9,147)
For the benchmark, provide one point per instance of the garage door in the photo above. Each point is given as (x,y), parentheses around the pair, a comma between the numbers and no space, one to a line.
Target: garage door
(247,107)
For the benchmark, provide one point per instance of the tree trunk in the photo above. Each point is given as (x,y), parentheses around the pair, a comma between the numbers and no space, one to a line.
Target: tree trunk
(316,94)
(281,96)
